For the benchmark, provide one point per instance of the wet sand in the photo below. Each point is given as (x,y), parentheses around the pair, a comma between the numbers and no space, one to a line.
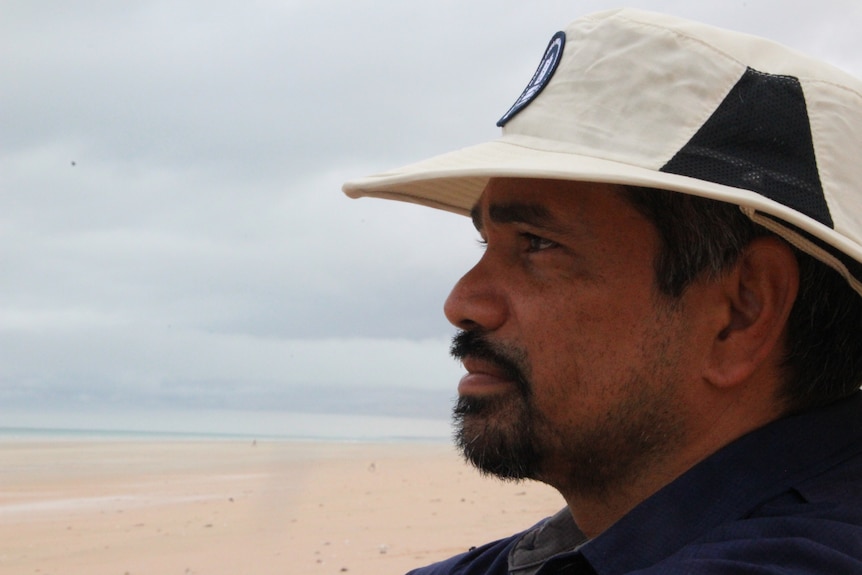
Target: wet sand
(227,507)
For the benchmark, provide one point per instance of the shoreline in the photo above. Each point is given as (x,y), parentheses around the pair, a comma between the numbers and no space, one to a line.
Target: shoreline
(223,506)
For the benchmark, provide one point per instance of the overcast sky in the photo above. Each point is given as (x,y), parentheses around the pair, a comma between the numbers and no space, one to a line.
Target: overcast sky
(173,231)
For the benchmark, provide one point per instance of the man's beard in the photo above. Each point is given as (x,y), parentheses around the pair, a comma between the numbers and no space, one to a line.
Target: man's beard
(495,433)
(508,436)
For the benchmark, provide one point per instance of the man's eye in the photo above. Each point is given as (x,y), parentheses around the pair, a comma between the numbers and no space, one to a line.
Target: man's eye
(537,244)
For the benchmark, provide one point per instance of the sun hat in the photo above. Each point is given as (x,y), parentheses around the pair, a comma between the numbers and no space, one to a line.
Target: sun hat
(642,99)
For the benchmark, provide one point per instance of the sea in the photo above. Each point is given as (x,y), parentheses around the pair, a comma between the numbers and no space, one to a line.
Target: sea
(219,425)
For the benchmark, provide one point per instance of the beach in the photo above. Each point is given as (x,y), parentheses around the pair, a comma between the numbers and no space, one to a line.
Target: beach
(138,507)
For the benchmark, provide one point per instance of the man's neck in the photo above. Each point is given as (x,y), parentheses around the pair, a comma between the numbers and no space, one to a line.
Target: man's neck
(594,512)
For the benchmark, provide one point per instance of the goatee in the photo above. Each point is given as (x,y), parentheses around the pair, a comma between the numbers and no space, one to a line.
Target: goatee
(495,434)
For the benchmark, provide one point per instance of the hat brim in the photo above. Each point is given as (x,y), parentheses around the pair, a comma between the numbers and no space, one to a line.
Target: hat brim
(455,181)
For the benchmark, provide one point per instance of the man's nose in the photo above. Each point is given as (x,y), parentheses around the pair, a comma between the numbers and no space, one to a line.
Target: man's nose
(476,301)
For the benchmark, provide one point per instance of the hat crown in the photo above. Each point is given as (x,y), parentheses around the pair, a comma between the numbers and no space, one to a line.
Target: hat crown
(635,87)
(680,97)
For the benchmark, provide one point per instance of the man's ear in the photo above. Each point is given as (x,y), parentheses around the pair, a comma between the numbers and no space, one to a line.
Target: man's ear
(757,294)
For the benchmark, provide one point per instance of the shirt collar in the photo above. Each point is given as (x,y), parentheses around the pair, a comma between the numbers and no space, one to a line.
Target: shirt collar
(556,535)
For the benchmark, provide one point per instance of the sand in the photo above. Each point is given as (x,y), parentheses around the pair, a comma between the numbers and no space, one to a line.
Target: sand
(224,507)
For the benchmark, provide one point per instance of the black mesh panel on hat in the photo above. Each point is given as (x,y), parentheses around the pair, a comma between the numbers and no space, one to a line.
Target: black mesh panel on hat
(759,139)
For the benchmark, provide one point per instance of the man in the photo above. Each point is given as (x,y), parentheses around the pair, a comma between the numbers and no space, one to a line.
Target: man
(666,322)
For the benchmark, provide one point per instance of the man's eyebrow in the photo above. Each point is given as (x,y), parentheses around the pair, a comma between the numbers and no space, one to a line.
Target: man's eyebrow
(514,213)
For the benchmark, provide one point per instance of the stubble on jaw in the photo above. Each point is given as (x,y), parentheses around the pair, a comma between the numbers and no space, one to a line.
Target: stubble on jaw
(509,437)
(608,454)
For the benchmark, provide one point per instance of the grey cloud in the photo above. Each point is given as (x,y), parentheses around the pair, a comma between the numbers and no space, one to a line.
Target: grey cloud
(200,246)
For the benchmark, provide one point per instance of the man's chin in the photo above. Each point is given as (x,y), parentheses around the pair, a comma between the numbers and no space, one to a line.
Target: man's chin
(495,437)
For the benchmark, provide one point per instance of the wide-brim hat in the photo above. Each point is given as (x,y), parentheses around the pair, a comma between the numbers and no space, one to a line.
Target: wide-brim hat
(641,99)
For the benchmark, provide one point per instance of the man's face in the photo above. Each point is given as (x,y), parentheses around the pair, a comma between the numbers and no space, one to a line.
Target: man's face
(574,361)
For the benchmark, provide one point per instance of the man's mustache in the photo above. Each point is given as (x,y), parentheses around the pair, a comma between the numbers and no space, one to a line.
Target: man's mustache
(475,344)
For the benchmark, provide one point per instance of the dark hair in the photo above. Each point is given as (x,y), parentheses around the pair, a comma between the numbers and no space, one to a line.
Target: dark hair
(703,237)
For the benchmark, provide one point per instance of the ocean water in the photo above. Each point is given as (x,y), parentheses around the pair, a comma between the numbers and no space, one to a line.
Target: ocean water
(218,424)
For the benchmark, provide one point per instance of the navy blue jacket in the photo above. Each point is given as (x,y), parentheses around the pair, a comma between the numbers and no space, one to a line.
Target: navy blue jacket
(784,499)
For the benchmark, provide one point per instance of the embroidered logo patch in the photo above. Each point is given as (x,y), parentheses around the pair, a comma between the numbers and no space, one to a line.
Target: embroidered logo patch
(543,75)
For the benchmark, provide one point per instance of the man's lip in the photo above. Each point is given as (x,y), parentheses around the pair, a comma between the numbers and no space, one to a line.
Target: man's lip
(482,378)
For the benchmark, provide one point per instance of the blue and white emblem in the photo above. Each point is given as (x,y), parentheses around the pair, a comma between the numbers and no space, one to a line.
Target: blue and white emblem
(543,75)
